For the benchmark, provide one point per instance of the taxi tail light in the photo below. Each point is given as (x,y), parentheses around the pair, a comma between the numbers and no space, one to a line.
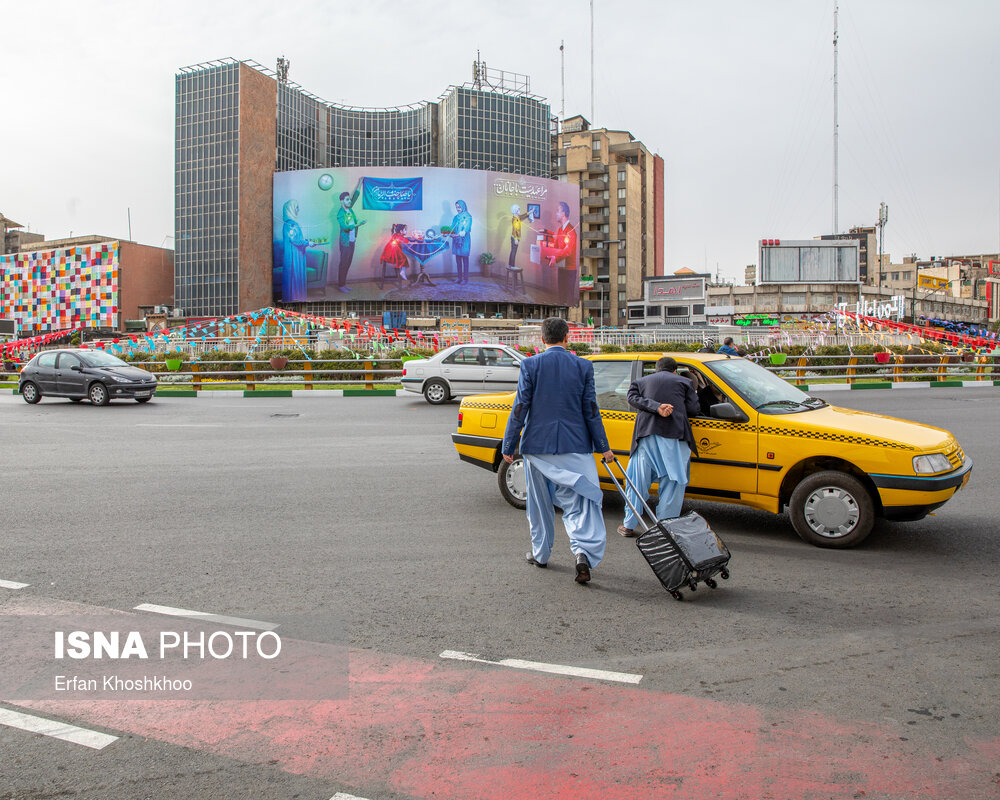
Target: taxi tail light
(459,419)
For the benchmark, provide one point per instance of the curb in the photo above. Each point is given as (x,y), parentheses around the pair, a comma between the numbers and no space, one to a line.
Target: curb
(843,387)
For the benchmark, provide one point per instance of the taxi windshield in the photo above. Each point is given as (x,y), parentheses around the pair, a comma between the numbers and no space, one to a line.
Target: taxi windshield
(764,390)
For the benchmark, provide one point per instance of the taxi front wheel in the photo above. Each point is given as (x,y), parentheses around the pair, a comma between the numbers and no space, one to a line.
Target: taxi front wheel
(831,509)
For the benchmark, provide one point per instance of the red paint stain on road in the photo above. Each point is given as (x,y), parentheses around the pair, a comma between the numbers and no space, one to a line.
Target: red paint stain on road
(455,732)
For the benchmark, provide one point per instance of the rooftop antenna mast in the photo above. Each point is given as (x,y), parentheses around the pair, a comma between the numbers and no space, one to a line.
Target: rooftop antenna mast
(592,117)
(836,129)
(282,70)
(562,66)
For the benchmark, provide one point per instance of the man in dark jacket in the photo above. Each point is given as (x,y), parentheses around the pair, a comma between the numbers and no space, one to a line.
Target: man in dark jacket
(662,441)
(556,407)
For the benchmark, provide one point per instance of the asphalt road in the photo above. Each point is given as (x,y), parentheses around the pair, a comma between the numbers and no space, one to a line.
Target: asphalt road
(351,522)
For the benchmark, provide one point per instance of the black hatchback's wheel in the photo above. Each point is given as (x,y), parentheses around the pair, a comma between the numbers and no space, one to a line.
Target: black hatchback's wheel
(436,392)
(831,509)
(513,487)
(30,393)
(99,394)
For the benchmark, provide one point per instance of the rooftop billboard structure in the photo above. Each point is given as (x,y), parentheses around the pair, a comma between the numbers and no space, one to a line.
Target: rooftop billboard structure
(809,261)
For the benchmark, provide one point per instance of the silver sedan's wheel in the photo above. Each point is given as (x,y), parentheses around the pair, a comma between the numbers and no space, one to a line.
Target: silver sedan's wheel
(513,487)
(831,509)
(436,392)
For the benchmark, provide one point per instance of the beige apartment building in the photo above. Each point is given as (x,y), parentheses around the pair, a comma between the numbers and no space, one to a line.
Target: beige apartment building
(621,215)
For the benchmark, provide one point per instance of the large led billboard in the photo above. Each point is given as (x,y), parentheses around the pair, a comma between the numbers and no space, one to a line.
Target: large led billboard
(400,233)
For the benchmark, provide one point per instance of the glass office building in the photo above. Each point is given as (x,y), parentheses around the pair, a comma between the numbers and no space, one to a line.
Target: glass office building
(237,124)
(389,137)
(501,132)
(206,215)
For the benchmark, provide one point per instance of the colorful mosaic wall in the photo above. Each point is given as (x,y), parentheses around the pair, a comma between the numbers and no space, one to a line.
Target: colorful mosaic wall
(71,287)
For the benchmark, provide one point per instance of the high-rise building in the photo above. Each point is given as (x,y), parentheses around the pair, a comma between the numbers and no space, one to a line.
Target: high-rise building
(621,216)
(237,123)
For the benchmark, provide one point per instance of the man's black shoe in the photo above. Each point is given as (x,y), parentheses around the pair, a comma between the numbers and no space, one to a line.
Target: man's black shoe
(582,569)
(531,560)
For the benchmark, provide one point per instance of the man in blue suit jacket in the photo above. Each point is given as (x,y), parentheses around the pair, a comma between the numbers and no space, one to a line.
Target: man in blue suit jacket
(556,405)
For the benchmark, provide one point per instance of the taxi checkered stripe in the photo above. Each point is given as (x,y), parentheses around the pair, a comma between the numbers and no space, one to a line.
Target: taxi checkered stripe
(723,424)
(624,415)
(837,437)
(490,406)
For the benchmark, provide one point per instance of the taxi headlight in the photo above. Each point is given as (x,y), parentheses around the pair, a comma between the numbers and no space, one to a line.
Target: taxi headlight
(935,462)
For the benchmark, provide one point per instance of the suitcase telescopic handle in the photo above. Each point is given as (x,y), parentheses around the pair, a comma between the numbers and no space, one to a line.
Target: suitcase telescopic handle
(624,494)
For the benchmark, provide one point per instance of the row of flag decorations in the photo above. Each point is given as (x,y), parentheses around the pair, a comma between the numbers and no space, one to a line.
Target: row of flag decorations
(253,326)
(63,288)
(875,330)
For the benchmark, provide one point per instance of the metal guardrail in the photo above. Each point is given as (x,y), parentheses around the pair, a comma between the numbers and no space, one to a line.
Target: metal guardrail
(372,373)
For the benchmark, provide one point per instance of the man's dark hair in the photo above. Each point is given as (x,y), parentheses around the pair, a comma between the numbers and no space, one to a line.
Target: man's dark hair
(565,209)
(728,340)
(666,364)
(344,194)
(554,330)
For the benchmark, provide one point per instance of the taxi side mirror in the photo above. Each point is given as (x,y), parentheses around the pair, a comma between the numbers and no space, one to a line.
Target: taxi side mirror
(727,411)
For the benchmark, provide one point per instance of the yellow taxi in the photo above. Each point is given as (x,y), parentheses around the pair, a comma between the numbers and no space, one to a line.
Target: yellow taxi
(762,443)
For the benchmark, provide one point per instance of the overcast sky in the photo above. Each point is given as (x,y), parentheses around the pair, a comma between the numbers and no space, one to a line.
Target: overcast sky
(736,97)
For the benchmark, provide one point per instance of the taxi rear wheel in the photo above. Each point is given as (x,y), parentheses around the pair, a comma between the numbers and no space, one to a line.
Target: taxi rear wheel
(831,509)
(510,477)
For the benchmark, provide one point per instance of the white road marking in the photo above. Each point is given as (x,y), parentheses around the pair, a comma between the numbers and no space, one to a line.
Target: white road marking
(557,669)
(203,616)
(13,585)
(178,425)
(57,730)
(344,796)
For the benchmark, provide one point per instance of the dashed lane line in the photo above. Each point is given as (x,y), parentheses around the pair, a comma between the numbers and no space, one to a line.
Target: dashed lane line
(556,669)
(206,617)
(56,730)
(13,585)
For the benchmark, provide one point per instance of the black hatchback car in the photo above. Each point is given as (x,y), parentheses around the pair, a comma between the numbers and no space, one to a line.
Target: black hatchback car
(78,374)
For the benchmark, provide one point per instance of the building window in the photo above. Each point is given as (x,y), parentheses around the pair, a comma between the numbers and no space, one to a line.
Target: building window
(699,309)
(621,227)
(621,176)
(621,262)
(621,211)
(677,311)
(621,278)
(595,145)
(621,193)
(907,276)
(653,311)
(794,298)
(621,297)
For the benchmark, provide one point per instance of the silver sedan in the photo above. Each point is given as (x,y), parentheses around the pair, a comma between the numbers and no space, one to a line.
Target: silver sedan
(463,369)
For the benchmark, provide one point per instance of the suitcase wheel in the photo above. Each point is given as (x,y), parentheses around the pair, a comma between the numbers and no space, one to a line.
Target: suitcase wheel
(693,585)
(724,574)
(711,584)
(677,596)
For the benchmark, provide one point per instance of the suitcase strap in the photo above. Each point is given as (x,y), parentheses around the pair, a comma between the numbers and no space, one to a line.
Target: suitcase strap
(624,494)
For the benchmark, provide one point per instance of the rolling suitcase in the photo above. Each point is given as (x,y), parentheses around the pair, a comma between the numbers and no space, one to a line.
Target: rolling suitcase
(683,551)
